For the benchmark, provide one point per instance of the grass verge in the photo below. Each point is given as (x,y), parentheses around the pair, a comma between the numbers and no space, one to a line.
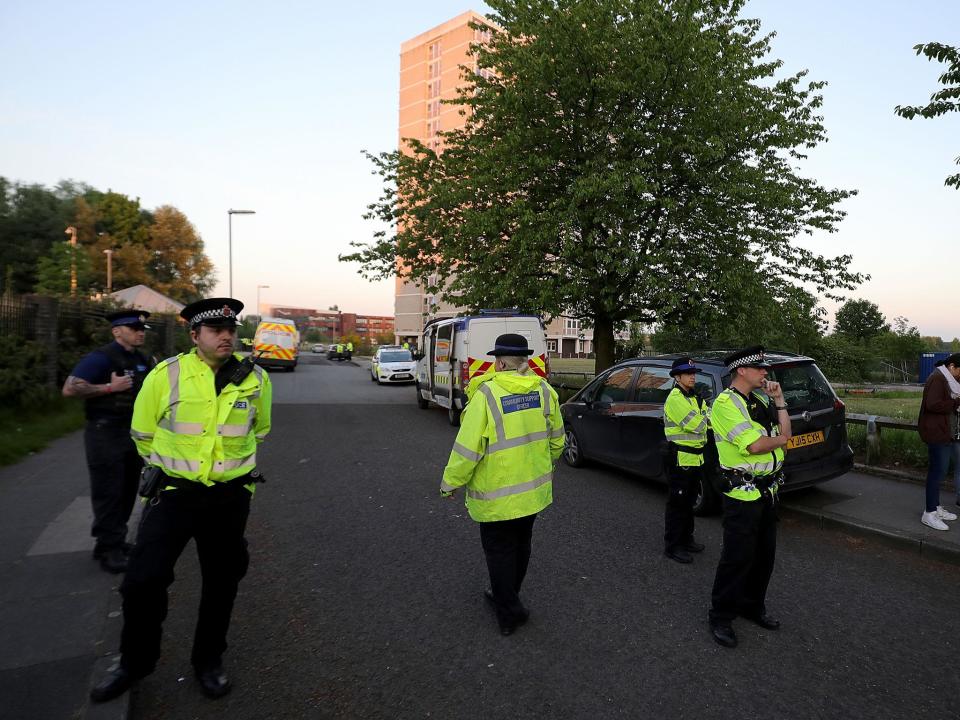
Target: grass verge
(26,431)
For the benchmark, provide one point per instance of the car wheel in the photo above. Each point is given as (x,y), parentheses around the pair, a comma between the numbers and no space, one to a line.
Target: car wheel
(708,500)
(572,454)
(453,415)
(421,403)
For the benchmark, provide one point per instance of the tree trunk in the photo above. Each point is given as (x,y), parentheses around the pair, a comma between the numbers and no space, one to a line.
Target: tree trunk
(603,343)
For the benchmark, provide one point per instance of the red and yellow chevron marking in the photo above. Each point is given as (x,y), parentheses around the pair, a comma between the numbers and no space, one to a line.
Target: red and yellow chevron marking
(279,327)
(477,367)
(539,365)
(274,351)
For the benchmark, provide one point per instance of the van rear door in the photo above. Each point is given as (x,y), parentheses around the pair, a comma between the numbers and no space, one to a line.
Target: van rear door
(440,375)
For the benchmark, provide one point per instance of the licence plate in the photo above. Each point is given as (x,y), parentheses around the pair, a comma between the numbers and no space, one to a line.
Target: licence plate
(799,441)
(402,376)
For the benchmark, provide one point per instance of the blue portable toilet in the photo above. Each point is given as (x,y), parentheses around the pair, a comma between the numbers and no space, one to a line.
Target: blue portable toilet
(928,361)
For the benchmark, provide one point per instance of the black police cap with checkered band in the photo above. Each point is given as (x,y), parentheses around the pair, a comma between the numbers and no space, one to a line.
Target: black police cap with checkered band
(218,312)
(748,357)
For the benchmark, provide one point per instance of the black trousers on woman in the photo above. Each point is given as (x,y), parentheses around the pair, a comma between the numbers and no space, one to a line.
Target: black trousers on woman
(506,544)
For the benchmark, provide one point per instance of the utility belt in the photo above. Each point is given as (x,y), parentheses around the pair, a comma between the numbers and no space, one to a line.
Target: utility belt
(676,447)
(153,481)
(730,479)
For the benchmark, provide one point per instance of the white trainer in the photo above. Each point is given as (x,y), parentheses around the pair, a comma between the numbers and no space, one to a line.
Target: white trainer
(930,519)
(945,514)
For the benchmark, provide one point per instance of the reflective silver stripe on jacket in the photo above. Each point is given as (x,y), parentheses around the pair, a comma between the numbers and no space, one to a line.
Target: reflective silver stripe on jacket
(444,487)
(250,460)
(173,379)
(180,428)
(689,437)
(137,435)
(233,430)
(503,443)
(739,429)
(467,453)
(169,463)
(511,489)
(495,412)
(518,441)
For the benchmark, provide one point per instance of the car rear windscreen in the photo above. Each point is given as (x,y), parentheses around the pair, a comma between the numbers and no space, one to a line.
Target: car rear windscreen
(804,386)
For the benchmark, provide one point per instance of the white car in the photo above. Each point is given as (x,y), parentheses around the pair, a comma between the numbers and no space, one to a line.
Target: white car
(393,365)
(318,348)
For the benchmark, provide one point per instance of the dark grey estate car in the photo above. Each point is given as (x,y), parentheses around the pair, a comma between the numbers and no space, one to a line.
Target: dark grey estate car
(618,419)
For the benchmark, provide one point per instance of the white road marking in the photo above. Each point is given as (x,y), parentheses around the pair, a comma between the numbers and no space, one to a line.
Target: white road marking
(70,530)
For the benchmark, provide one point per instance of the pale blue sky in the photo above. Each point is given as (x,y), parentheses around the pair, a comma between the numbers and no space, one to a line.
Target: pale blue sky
(213,105)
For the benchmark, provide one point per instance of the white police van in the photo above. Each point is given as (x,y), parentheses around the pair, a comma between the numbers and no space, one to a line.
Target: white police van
(453,351)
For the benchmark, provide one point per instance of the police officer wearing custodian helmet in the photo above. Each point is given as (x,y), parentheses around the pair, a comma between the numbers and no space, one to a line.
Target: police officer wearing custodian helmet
(686,423)
(197,423)
(108,380)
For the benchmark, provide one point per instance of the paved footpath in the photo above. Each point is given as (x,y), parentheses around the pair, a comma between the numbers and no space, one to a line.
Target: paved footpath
(55,601)
(59,618)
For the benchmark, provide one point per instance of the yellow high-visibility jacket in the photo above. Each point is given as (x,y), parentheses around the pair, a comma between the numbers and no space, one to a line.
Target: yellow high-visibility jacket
(686,420)
(734,430)
(182,426)
(511,434)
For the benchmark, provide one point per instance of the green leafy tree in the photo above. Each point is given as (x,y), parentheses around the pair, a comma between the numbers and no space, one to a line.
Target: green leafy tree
(903,343)
(32,222)
(788,320)
(842,359)
(944,100)
(54,270)
(619,160)
(179,267)
(860,321)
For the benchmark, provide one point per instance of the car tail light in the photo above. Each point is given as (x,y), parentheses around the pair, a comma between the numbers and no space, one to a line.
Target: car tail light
(464,374)
(838,404)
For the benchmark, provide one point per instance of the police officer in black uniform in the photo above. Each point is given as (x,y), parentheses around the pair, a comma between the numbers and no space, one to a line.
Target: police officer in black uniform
(108,380)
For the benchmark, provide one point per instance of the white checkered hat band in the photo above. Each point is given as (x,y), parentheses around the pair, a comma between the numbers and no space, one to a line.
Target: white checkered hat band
(747,360)
(219,313)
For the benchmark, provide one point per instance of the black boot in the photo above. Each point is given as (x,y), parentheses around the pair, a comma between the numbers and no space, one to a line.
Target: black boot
(213,680)
(116,682)
(113,560)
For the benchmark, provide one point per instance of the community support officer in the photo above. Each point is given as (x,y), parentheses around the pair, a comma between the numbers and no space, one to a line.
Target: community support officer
(108,379)
(685,425)
(511,434)
(751,436)
(197,422)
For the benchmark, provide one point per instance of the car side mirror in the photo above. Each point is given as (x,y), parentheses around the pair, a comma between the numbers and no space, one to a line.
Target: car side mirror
(417,356)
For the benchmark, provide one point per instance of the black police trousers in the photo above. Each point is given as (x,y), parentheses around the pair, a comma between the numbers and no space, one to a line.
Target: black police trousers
(506,545)
(114,467)
(746,560)
(678,518)
(216,518)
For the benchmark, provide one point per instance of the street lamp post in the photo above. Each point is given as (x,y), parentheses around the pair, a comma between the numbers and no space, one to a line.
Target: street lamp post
(259,316)
(109,253)
(230,214)
(72,232)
